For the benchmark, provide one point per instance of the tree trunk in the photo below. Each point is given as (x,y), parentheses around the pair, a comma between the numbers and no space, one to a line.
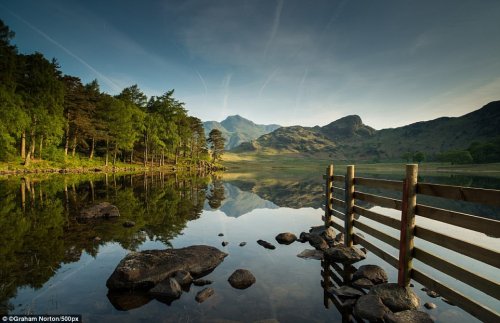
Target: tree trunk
(32,145)
(107,152)
(176,155)
(132,156)
(114,155)
(66,141)
(23,144)
(41,146)
(145,150)
(74,146)
(91,156)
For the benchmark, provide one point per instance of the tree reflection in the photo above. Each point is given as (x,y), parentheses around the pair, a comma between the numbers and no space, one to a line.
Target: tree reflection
(216,195)
(38,217)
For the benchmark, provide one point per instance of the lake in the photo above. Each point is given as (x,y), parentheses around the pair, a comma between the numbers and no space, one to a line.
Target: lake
(52,263)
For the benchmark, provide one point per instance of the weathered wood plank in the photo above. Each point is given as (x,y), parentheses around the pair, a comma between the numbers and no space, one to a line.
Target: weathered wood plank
(390,259)
(349,205)
(337,202)
(328,194)
(393,242)
(488,226)
(378,200)
(336,188)
(338,214)
(469,194)
(379,183)
(337,226)
(480,253)
(480,311)
(487,286)
(390,222)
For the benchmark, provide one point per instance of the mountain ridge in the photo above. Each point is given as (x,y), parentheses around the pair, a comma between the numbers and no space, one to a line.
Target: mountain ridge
(349,138)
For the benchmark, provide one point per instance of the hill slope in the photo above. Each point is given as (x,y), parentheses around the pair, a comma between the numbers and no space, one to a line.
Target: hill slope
(348,138)
(237,130)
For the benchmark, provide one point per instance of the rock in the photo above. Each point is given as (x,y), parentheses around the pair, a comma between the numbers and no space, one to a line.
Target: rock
(345,291)
(203,294)
(344,254)
(304,237)
(241,279)
(97,239)
(374,273)
(128,224)
(221,234)
(318,242)
(396,298)
(430,305)
(125,301)
(242,244)
(328,234)
(266,244)
(101,210)
(183,277)
(409,316)
(168,289)
(311,254)
(202,282)
(143,270)
(371,308)
(432,293)
(362,283)
(339,237)
(286,238)
(224,243)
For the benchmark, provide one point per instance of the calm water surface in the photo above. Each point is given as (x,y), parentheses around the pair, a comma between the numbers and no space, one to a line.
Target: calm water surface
(51,263)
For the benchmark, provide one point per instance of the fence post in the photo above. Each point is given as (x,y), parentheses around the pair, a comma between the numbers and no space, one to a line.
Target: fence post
(328,195)
(409,203)
(349,205)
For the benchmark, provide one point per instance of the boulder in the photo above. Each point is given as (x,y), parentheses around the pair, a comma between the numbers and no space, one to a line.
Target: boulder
(241,279)
(343,254)
(430,305)
(374,273)
(318,242)
(345,291)
(371,308)
(328,234)
(169,289)
(266,244)
(311,254)
(286,238)
(242,244)
(409,316)
(143,270)
(101,210)
(396,298)
(362,283)
(304,237)
(205,293)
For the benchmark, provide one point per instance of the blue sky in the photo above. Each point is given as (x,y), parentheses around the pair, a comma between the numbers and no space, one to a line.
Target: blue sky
(286,62)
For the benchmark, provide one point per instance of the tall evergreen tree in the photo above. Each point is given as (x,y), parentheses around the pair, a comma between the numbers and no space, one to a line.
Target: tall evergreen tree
(216,141)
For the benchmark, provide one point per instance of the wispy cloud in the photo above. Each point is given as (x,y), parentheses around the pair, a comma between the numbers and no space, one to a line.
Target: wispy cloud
(226,82)
(269,79)
(101,76)
(276,23)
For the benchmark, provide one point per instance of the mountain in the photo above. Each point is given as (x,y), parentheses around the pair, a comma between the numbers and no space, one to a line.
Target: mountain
(237,130)
(349,138)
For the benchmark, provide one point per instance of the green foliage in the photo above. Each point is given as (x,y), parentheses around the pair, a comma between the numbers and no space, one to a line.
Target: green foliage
(456,157)
(217,142)
(407,156)
(485,152)
(418,157)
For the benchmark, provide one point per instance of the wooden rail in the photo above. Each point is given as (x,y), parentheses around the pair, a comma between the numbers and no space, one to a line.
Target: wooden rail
(408,226)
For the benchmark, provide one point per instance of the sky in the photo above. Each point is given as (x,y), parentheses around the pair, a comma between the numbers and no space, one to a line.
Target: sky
(285,62)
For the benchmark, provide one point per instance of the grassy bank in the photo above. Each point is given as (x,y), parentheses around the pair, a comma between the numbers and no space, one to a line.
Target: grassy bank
(301,164)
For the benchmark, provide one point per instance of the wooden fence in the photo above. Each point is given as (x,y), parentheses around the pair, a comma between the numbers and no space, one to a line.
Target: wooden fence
(410,208)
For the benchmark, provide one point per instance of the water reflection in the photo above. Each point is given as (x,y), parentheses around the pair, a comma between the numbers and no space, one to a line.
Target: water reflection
(39,219)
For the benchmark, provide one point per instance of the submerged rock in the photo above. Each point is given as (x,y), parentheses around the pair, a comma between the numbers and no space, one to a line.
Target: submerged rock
(202,282)
(371,308)
(183,277)
(169,289)
(395,297)
(101,210)
(143,270)
(374,273)
(241,279)
(205,293)
(242,244)
(224,243)
(266,244)
(345,291)
(409,316)
(311,254)
(286,238)
(344,254)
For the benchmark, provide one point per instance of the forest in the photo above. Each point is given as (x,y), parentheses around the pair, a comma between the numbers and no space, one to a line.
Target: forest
(48,115)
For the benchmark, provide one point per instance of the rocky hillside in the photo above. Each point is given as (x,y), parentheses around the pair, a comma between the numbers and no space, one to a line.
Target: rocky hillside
(348,138)
(237,130)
